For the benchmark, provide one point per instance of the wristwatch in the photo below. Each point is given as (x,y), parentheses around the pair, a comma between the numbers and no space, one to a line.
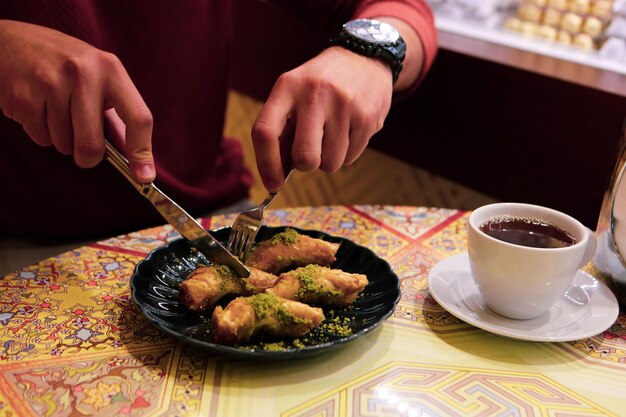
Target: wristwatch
(374,39)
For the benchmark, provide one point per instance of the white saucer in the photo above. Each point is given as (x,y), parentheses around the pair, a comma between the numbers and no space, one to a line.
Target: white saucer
(588,308)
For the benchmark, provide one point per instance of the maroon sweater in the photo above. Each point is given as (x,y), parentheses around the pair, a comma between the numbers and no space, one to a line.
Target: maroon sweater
(177,53)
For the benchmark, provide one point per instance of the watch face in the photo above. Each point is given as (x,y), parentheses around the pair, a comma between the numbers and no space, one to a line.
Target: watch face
(372,31)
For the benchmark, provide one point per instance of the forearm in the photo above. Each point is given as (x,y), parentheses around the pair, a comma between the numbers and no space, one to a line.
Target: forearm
(414,59)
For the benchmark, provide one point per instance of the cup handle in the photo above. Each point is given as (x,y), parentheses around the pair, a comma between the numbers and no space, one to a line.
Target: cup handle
(590,250)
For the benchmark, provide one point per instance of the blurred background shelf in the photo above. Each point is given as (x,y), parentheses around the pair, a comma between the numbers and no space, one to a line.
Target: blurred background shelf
(493,43)
(493,33)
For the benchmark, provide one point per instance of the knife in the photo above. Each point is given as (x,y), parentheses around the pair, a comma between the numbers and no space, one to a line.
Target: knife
(180,220)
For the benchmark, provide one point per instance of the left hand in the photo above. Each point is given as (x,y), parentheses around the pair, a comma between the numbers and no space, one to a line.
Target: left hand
(336,101)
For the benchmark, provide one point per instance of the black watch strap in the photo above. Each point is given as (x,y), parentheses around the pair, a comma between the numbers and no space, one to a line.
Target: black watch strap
(392,53)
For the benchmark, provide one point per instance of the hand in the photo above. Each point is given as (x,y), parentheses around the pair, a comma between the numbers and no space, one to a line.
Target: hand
(58,88)
(336,101)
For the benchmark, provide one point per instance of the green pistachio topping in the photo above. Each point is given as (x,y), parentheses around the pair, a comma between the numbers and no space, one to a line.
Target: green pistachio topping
(286,237)
(224,271)
(310,285)
(229,281)
(276,346)
(263,304)
(267,305)
(339,326)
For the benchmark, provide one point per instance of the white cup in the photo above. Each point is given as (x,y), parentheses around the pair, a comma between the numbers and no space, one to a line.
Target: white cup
(523,282)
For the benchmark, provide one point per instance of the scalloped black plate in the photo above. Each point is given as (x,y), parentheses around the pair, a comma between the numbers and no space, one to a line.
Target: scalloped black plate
(156,279)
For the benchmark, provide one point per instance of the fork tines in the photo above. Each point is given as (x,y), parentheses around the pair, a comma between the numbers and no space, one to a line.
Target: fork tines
(241,238)
(246,227)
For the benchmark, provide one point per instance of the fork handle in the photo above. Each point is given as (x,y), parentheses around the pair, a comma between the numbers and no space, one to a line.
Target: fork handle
(270,197)
(268,200)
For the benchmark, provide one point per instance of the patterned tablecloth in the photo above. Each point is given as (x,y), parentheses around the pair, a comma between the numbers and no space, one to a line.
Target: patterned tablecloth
(72,342)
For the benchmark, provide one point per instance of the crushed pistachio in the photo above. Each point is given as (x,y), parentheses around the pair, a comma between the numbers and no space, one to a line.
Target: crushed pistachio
(274,346)
(330,329)
(230,281)
(266,304)
(249,287)
(263,304)
(339,326)
(297,343)
(224,271)
(287,237)
(310,285)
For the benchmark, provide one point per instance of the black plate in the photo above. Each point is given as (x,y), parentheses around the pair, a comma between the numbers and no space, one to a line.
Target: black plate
(156,279)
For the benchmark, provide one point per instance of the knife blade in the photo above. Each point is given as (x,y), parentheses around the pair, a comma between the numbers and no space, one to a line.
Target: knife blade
(178,218)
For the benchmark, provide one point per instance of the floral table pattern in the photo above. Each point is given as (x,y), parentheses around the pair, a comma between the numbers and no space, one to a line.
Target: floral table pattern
(72,342)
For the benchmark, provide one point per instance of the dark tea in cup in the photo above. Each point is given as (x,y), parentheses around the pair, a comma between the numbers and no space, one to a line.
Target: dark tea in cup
(523,257)
(527,231)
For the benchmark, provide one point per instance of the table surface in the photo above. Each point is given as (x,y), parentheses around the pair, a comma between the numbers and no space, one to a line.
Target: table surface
(72,343)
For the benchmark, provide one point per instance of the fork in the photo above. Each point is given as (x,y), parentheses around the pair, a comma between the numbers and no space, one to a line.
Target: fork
(246,227)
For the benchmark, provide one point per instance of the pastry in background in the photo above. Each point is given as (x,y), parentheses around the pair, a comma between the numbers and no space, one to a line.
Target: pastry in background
(571,22)
(602,8)
(563,37)
(583,41)
(552,17)
(290,249)
(580,6)
(593,27)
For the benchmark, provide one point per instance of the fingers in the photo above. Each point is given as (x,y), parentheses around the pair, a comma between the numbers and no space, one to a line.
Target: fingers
(134,112)
(34,124)
(56,112)
(309,132)
(272,125)
(327,135)
(86,117)
(80,128)
(361,130)
(57,87)
(59,123)
(27,107)
(336,137)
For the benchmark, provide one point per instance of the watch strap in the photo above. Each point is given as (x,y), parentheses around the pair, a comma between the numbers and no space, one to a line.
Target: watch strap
(392,53)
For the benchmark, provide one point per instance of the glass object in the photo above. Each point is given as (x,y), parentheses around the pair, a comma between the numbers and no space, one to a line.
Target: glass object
(611,229)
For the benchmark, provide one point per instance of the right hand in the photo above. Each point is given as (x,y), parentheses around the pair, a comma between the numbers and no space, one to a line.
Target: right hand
(59,87)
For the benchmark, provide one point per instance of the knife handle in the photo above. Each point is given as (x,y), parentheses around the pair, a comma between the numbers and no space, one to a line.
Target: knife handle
(182,222)
(121,164)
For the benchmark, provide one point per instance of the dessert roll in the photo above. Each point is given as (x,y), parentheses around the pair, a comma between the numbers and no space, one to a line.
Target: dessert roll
(557,4)
(571,22)
(552,17)
(207,284)
(564,37)
(580,6)
(513,23)
(593,27)
(245,317)
(290,249)
(547,33)
(530,12)
(319,285)
(602,8)
(583,41)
